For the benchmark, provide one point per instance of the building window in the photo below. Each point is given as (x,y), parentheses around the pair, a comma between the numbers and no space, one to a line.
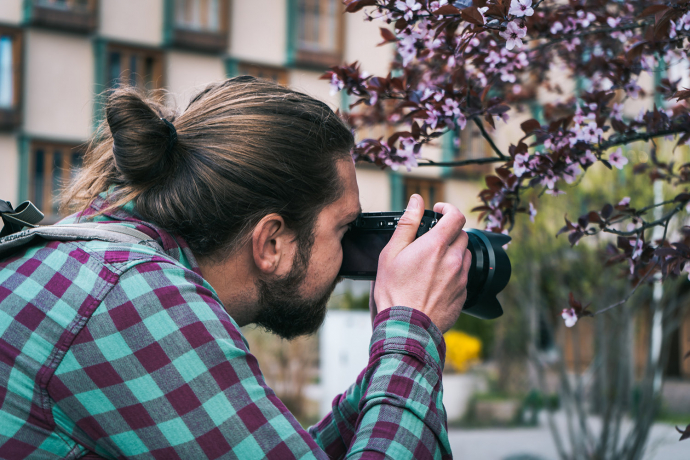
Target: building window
(10,77)
(201,24)
(277,74)
(74,15)
(51,167)
(471,145)
(135,67)
(429,189)
(319,34)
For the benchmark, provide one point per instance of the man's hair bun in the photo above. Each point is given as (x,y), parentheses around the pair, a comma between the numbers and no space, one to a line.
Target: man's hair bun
(144,139)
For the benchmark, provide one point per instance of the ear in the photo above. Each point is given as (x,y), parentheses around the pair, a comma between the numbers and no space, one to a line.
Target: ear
(272,245)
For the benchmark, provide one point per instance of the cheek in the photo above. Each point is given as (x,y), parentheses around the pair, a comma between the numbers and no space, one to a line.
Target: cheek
(326,257)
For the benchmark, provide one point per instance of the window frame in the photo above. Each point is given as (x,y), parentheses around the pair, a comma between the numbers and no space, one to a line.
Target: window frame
(158,77)
(65,19)
(201,40)
(422,184)
(46,204)
(320,59)
(256,70)
(11,118)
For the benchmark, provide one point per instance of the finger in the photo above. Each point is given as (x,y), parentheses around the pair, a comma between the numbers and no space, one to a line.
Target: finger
(372,303)
(466,263)
(406,231)
(460,244)
(450,226)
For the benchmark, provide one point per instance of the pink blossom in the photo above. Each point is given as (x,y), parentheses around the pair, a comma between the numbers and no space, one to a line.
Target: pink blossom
(579,116)
(437,4)
(507,76)
(585,19)
(556,27)
(519,167)
(520,8)
(570,45)
(407,153)
(588,158)
(550,179)
(495,221)
(432,117)
(624,202)
(494,58)
(617,159)
(336,83)
(640,116)
(513,35)
(406,48)
(451,108)
(613,22)
(532,212)
(617,111)
(684,21)
(592,132)
(571,173)
(569,316)
(461,121)
(632,89)
(638,246)
(408,7)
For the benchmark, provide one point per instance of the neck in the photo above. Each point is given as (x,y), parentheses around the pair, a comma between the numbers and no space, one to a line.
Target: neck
(234,281)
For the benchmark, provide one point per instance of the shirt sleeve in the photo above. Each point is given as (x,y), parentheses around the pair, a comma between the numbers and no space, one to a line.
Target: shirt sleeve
(160,370)
(395,408)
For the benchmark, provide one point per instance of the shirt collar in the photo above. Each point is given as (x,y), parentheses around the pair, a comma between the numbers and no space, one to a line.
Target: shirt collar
(173,245)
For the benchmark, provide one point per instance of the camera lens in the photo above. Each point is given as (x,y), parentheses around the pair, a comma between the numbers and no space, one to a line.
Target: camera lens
(488,275)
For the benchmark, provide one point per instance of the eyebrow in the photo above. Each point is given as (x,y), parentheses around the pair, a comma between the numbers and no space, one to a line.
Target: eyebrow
(353,216)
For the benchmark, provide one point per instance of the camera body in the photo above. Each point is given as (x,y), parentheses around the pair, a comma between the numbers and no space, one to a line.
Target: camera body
(488,275)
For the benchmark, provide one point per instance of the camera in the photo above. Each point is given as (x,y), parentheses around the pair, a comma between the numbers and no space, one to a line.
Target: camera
(488,275)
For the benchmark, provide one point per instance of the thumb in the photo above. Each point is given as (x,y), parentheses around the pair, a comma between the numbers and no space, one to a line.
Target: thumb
(406,232)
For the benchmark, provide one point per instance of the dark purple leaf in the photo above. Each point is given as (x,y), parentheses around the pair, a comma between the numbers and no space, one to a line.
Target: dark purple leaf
(606,211)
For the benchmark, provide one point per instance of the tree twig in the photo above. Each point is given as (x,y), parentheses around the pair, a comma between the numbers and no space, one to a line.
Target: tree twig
(630,294)
(641,137)
(477,121)
(644,227)
(474,161)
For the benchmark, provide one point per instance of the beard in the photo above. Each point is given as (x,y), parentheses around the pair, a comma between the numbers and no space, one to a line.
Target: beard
(283,311)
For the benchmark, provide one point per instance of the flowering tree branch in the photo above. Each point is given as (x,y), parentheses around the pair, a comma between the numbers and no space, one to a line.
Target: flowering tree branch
(481,60)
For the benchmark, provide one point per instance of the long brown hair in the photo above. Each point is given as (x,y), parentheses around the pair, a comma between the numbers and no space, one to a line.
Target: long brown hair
(245,148)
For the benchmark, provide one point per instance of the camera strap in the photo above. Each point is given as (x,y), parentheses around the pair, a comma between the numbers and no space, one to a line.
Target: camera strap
(13,238)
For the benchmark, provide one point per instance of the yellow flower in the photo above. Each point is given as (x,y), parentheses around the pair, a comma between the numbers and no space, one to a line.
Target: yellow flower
(462,350)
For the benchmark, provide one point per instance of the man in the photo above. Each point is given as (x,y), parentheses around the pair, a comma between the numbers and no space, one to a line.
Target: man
(132,351)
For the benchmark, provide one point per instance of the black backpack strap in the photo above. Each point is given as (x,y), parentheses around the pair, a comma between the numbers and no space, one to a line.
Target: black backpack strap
(114,233)
(26,215)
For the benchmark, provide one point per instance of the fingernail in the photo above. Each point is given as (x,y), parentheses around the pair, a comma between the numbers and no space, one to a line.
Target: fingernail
(414,203)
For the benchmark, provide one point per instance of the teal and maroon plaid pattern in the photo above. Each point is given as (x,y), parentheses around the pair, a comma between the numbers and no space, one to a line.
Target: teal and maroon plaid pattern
(114,350)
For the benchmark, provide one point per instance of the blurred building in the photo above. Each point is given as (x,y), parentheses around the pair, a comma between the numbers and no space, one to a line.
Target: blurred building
(57,56)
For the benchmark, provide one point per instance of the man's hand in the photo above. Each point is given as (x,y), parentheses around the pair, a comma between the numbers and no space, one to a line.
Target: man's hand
(430,273)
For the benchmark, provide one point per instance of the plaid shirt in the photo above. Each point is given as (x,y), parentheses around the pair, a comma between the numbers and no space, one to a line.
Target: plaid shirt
(115,350)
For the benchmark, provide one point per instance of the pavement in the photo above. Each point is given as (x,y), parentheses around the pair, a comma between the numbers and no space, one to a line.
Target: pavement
(537,444)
